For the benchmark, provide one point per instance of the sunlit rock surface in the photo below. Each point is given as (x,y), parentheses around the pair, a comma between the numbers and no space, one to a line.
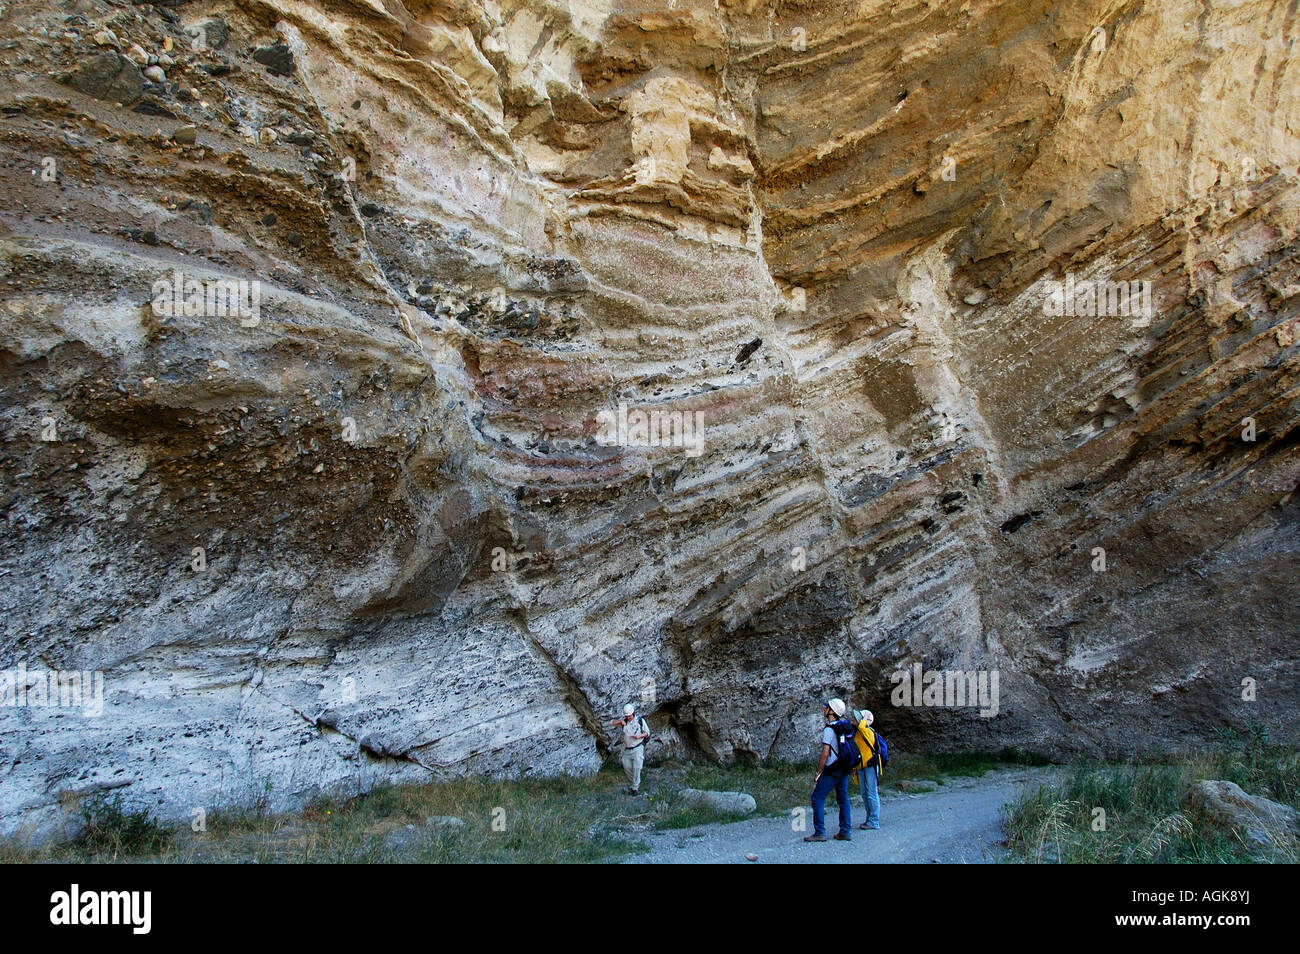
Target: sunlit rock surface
(365,529)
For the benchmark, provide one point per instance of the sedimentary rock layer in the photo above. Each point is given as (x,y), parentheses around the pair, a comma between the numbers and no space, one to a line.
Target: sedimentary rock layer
(363,525)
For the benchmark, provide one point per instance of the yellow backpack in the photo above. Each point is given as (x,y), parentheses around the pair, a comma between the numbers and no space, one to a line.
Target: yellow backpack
(865,737)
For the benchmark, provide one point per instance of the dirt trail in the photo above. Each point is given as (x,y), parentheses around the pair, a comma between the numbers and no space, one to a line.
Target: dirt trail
(958,823)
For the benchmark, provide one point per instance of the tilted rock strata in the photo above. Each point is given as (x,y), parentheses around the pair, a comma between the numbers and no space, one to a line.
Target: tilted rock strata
(828,229)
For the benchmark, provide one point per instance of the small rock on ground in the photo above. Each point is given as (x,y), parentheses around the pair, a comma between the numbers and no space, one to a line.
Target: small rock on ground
(740,803)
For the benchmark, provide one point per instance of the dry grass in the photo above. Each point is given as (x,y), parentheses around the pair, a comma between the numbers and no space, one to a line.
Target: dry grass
(1144,820)
(523,820)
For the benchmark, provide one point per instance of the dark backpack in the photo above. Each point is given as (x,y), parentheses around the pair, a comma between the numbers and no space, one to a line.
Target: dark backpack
(846,750)
(882,750)
(646,741)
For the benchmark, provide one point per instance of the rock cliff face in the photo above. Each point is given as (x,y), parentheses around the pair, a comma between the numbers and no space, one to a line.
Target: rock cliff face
(362,518)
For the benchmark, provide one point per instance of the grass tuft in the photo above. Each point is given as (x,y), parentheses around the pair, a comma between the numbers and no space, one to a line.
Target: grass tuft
(111,832)
(1142,817)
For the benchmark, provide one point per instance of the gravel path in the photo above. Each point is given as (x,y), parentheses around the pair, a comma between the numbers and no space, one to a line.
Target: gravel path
(958,823)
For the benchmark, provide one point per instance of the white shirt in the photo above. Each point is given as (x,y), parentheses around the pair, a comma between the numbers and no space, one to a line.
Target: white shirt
(631,729)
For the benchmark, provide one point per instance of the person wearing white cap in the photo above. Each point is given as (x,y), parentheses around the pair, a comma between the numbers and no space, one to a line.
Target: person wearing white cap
(635,735)
(868,746)
(832,775)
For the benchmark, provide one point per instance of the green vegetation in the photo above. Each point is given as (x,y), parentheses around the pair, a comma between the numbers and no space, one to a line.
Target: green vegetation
(960,764)
(592,819)
(113,833)
(1145,820)
(517,820)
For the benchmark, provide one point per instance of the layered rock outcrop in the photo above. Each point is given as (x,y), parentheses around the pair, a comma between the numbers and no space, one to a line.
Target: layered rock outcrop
(356,521)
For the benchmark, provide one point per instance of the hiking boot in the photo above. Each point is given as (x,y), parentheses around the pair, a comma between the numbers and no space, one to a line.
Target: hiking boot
(814,837)
(632,791)
(865,827)
(840,836)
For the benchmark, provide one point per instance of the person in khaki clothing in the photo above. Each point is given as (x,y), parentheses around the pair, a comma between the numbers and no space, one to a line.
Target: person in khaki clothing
(635,735)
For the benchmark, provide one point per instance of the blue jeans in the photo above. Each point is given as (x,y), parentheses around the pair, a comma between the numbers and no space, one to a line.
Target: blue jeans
(870,796)
(840,782)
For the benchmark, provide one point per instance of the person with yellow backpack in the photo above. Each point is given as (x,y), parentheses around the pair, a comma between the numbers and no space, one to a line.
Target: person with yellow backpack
(875,755)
